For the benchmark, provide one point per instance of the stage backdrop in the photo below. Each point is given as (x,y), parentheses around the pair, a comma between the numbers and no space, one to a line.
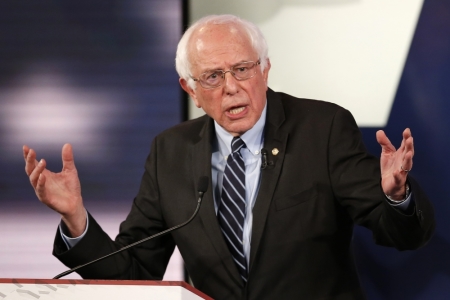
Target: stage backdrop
(99,75)
(388,62)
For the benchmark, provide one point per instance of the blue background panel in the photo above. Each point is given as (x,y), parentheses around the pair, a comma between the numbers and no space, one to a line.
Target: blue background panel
(422,103)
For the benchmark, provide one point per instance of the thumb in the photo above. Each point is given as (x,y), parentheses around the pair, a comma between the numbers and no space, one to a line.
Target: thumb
(67,158)
(384,141)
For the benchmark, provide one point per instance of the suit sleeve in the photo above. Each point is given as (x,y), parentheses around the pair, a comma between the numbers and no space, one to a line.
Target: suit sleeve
(147,261)
(356,176)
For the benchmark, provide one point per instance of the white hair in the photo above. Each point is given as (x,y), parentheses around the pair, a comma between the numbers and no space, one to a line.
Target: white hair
(255,36)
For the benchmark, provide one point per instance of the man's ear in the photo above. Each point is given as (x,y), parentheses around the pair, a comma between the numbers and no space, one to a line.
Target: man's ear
(190,91)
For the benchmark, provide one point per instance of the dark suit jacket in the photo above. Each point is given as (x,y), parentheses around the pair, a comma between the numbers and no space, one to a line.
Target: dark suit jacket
(314,190)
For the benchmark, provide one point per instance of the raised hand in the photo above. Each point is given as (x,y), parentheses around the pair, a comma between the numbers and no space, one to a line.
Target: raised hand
(59,191)
(395,164)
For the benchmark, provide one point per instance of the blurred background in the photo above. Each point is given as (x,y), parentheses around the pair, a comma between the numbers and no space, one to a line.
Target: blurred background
(100,75)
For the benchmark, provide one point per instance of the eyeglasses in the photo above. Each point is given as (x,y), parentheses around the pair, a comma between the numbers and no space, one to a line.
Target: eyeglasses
(215,78)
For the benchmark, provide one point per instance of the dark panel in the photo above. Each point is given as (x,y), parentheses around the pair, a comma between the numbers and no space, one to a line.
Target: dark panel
(97,74)
(422,103)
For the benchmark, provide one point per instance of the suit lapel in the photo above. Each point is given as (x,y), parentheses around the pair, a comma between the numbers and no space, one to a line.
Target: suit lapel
(201,162)
(274,139)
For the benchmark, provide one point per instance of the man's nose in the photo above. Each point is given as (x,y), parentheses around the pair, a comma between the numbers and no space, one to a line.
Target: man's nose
(230,82)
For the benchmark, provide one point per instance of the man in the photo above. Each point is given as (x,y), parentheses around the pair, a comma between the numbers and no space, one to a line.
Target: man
(290,177)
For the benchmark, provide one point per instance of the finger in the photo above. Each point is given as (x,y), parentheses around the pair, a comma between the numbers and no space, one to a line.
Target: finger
(385,143)
(30,162)
(407,163)
(407,133)
(25,150)
(409,140)
(40,187)
(67,158)
(34,176)
(407,149)
(412,146)
(409,145)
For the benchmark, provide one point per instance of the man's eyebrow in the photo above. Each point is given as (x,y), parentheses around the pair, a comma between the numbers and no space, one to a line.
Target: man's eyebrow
(233,65)
(211,69)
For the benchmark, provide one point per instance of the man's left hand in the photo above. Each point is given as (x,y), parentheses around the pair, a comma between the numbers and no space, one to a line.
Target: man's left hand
(395,164)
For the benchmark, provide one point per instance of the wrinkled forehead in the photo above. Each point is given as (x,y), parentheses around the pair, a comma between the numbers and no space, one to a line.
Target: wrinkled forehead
(212,39)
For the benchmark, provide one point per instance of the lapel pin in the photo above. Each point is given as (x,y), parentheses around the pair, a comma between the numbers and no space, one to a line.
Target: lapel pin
(275,151)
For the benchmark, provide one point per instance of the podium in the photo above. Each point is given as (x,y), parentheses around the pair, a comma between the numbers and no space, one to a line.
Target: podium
(74,289)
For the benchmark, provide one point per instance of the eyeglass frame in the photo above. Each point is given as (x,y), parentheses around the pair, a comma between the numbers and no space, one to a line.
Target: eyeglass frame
(258,62)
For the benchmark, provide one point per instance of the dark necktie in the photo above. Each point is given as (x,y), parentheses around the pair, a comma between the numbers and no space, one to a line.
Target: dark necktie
(232,207)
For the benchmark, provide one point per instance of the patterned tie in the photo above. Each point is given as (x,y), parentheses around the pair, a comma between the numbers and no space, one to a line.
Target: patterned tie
(232,208)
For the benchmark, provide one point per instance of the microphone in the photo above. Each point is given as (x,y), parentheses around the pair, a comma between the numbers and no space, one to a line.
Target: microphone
(201,188)
(263,159)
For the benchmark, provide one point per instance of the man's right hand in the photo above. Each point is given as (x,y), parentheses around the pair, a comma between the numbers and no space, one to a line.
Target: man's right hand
(59,191)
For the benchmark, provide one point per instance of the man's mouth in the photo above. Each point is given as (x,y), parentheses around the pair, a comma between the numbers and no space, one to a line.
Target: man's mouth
(235,111)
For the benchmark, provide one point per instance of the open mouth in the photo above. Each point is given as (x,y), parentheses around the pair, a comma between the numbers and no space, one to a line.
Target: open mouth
(236,110)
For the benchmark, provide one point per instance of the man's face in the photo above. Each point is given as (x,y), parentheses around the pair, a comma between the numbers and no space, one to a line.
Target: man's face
(235,105)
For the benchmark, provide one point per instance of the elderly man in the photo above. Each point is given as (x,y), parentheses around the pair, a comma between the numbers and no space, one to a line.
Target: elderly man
(290,178)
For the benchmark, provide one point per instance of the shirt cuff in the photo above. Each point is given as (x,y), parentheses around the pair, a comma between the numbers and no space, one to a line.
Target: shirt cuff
(402,205)
(69,241)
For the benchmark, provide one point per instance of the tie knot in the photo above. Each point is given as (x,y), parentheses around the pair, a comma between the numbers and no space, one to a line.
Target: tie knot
(236,144)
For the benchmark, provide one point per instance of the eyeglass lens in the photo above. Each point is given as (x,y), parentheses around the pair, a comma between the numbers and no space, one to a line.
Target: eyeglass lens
(215,78)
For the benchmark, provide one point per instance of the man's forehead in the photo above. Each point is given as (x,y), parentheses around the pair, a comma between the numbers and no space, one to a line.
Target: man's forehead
(210,35)
(212,29)
(211,41)
(203,64)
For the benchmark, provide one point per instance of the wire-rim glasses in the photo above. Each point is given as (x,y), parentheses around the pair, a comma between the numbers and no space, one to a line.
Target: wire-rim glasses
(215,78)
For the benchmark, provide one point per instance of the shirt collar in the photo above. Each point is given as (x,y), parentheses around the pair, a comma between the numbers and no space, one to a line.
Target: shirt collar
(253,138)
